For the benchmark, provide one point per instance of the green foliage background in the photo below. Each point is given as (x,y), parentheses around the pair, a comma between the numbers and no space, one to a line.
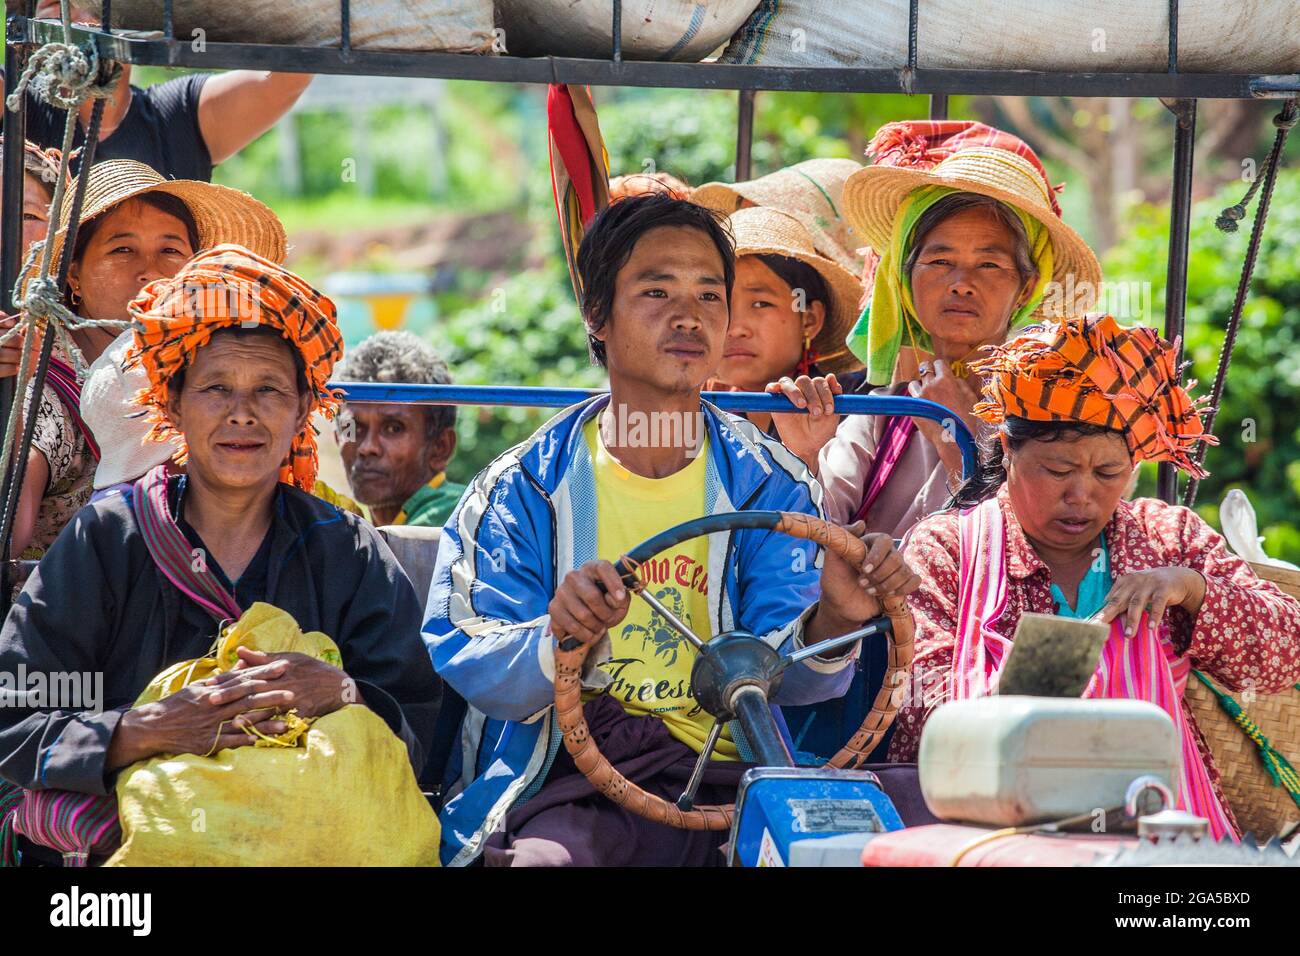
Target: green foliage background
(1258,424)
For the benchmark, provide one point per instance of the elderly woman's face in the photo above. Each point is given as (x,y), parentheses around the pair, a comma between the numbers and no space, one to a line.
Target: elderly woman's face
(965,284)
(765,338)
(1065,491)
(239,410)
(132,245)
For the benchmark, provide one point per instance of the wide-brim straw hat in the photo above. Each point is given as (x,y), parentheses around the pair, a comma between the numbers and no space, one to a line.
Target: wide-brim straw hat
(220,213)
(873,195)
(810,191)
(760,230)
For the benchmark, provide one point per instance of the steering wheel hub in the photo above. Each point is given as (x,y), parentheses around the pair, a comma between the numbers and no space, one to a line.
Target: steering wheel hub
(732,660)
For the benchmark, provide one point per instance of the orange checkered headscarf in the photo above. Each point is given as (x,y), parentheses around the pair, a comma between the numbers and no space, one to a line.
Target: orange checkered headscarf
(230,286)
(1092,370)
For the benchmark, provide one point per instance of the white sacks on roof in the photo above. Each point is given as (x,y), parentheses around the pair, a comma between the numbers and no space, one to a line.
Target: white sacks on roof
(453,26)
(652,29)
(1245,36)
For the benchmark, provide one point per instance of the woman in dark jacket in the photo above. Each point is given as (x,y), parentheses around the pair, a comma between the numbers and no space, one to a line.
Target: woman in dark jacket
(238,352)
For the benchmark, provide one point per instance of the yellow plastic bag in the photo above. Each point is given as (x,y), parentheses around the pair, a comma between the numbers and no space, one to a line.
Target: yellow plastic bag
(336,790)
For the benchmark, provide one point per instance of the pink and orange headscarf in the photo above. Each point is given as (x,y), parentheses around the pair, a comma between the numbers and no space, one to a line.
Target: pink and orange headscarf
(1092,370)
(230,286)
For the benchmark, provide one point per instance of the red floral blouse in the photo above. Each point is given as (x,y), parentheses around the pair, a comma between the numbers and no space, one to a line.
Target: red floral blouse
(1246,634)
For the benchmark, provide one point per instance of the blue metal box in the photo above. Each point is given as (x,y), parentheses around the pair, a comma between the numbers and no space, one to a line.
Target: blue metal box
(776,806)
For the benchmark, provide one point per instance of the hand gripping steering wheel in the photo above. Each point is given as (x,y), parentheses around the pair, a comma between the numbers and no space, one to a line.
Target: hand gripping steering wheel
(730,666)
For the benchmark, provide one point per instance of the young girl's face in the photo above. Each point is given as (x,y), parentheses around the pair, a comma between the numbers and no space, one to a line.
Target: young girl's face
(36,210)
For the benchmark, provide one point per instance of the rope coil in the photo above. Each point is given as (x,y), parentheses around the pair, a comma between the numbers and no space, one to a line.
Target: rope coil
(56,67)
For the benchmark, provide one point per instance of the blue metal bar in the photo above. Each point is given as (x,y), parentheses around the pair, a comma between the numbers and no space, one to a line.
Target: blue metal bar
(534,397)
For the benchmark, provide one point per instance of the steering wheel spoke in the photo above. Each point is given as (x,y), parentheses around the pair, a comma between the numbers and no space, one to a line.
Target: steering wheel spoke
(835,643)
(671,618)
(687,800)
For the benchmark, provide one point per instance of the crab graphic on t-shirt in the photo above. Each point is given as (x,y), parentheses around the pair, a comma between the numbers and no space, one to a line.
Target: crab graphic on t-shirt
(657,631)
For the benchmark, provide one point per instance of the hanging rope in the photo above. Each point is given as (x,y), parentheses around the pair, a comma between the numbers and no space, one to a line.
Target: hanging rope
(65,76)
(1227,222)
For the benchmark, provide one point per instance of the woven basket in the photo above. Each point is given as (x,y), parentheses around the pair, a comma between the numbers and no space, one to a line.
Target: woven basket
(1261,807)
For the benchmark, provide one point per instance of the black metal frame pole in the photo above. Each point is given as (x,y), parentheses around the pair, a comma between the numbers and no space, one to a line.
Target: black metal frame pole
(938,106)
(604,71)
(11,220)
(616,31)
(14,479)
(11,199)
(1180,218)
(744,135)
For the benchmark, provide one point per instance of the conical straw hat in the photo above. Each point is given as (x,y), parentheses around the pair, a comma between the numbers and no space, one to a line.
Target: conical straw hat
(873,195)
(760,230)
(810,191)
(222,214)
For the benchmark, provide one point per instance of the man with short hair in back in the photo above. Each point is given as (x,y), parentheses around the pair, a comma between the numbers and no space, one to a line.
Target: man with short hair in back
(396,454)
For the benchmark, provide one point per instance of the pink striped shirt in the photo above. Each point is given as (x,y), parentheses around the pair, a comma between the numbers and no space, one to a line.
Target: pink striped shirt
(1246,634)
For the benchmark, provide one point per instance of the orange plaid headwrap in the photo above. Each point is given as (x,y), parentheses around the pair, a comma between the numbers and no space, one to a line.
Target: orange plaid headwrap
(1091,370)
(230,286)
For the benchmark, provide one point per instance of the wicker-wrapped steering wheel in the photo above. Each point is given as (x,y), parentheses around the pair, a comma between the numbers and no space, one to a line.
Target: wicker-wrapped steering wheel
(571,654)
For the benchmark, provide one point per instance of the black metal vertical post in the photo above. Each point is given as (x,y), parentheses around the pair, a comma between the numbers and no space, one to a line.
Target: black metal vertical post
(616,31)
(938,106)
(744,135)
(17,467)
(1180,217)
(909,71)
(11,202)
(11,222)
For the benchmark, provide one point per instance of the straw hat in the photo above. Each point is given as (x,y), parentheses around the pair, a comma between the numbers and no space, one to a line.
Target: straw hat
(119,427)
(810,191)
(221,214)
(873,195)
(763,231)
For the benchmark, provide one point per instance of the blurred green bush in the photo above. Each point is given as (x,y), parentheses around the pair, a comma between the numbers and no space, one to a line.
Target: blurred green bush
(526,331)
(1258,423)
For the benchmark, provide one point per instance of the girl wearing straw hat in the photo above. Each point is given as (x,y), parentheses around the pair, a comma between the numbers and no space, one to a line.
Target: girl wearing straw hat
(968,244)
(135,227)
(790,311)
(811,191)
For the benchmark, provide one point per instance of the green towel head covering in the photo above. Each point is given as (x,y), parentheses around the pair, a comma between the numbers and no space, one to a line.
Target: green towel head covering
(879,333)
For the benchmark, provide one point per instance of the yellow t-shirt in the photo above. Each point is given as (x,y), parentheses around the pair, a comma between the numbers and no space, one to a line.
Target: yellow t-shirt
(651,662)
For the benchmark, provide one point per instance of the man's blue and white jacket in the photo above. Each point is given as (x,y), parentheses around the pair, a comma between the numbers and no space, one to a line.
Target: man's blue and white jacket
(526,521)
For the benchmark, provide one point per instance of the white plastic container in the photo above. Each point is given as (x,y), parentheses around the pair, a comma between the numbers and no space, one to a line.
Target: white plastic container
(1012,761)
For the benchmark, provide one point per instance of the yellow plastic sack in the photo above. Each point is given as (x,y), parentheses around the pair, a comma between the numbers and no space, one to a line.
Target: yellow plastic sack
(336,790)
